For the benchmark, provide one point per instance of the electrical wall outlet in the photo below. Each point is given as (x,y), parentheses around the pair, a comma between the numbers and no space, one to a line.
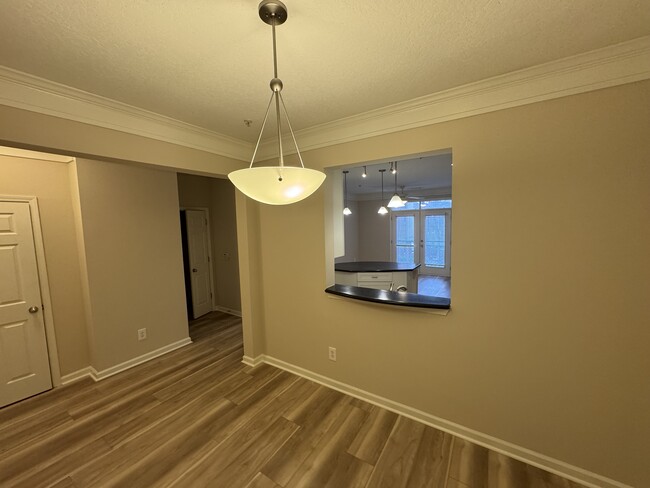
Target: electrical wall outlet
(142,334)
(332,354)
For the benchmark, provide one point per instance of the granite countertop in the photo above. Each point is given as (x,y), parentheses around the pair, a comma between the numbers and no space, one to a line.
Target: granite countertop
(389,297)
(374,266)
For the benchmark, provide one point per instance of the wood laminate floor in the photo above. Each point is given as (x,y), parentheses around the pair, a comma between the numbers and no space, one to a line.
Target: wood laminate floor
(198,417)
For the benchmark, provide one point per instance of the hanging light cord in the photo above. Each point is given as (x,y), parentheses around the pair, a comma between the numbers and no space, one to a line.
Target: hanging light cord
(276,87)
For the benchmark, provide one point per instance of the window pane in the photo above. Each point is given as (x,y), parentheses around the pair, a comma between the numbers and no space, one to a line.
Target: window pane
(405,255)
(429,204)
(408,206)
(405,238)
(434,241)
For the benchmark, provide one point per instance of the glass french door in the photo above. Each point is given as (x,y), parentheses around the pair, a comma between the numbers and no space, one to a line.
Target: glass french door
(435,242)
(405,237)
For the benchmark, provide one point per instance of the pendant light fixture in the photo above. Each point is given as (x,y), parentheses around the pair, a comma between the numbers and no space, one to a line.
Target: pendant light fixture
(365,173)
(276,185)
(396,201)
(382,210)
(346,209)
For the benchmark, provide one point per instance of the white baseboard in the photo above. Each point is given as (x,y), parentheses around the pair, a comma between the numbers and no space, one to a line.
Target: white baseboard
(118,368)
(533,458)
(249,361)
(77,375)
(229,311)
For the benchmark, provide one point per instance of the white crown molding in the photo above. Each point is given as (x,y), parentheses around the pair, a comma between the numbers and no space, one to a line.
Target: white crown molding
(28,92)
(25,154)
(614,65)
(611,66)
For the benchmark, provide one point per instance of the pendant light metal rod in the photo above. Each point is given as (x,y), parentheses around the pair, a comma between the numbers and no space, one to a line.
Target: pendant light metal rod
(259,138)
(293,136)
(276,87)
(276,184)
(277,112)
(275,55)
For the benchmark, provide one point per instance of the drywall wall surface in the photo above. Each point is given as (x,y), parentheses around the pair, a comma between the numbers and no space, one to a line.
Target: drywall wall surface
(250,244)
(374,232)
(31,130)
(48,181)
(134,259)
(218,196)
(224,245)
(194,191)
(546,344)
(351,226)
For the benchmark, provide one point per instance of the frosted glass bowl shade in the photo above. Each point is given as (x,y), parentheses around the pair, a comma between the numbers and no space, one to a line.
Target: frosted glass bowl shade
(277,185)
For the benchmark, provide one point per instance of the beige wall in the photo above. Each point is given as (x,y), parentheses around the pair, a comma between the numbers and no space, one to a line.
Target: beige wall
(133,255)
(351,234)
(374,232)
(546,345)
(48,181)
(30,130)
(218,196)
(80,340)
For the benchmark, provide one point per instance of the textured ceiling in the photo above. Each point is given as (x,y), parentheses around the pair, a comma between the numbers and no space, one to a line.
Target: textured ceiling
(416,177)
(208,63)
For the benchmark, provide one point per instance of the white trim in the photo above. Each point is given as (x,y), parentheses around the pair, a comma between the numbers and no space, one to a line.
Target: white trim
(533,458)
(611,66)
(25,154)
(622,63)
(229,311)
(118,368)
(249,361)
(206,211)
(86,372)
(48,317)
(28,92)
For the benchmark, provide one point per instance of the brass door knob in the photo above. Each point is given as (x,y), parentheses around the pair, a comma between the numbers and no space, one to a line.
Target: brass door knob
(33,309)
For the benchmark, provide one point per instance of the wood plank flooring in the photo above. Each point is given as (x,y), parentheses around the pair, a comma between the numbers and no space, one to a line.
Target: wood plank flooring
(197,417)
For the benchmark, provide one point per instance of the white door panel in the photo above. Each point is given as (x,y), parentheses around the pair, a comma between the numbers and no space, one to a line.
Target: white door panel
(24,361)
(435,242)
(199,259)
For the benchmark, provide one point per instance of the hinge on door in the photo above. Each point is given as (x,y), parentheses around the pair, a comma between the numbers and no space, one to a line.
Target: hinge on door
(208,259)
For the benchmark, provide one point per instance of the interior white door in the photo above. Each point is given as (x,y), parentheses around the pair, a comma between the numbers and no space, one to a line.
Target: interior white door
(24,360)
(199,259)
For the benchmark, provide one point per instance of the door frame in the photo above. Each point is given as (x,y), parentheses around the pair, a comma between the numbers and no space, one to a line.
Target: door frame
(206,210)
(416,233)
(446,271)
(44,284)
